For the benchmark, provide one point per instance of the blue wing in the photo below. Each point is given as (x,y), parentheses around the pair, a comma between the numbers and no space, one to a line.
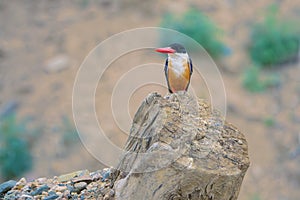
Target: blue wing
(166,68)
(166,74)
(191,66)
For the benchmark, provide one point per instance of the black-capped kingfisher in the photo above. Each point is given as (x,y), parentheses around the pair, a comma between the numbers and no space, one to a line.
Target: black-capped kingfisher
(178,67)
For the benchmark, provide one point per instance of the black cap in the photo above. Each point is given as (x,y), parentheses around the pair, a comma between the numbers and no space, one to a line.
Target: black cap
(178,48)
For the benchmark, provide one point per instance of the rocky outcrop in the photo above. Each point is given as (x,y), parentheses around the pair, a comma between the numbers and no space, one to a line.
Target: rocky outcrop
(178,148)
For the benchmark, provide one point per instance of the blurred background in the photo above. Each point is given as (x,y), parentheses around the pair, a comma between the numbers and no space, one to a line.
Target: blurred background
(254,43)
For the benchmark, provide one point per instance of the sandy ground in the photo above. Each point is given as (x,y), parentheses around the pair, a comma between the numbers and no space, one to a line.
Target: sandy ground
(33,33)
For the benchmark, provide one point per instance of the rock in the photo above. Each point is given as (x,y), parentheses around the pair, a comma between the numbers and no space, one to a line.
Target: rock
(57,64)
(59,188)
(79,186)
(209,162)
(84,178)
(105,191)
(111,193)
(91,186)
(6,186)
(26,197)
(22,182)
(67,194)
(40,190)
(96,175)
(105,173)
(62,187)
(41,180)
(51,197)
(179,148)
(68,177)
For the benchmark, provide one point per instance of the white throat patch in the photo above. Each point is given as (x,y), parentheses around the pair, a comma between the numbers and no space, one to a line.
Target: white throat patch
(177,61)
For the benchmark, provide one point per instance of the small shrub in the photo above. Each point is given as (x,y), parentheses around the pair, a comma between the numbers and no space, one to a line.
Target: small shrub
(254,81)
(197,26)
(251,80)
(273,41)
(15,155)
(256,197)
(83,3)
(269,121)
(70,134)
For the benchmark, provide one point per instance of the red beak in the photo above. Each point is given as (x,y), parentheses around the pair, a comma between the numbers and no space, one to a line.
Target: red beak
(165,50)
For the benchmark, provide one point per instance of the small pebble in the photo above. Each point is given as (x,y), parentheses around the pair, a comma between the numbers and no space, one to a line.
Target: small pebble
(91,186)
(40,190)
(59,188)
(66,193)
(111,192)
(96,175)
(4,187)
(84,178)
(80,186)
(21,183)
(41,180)
(68,177)
(105,174)
(106,197)
(26,197)
(50,197)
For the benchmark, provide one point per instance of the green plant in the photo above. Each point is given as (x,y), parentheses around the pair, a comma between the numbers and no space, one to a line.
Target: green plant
(70,134)
(15,155)
(197,26)
(83,3)
(269,121)
(254,81)
(273,41)
(255,197)
(251,80)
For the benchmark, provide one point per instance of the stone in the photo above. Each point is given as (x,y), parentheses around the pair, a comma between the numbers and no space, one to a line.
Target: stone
(79,186)
(43,188)
(57,64)
(40,190)
(21,183)
(66,194)
(26,197)
(212,155)
(106,197)
(41,180)
(105,173)
(84,178)
(59,188)
(96,175)
(180,148)
(51,197)
(91,186)
(6,186)
(111,192)
(68,177)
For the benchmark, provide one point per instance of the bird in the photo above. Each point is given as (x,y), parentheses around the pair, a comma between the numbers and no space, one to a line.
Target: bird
(178,67)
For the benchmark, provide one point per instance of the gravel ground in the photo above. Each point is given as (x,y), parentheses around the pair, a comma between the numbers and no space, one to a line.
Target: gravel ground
(77,185)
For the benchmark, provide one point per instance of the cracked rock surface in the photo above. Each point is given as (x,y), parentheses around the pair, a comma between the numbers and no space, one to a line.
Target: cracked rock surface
(179,148)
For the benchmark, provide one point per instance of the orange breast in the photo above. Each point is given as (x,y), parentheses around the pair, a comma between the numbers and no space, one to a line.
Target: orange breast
(178,82)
